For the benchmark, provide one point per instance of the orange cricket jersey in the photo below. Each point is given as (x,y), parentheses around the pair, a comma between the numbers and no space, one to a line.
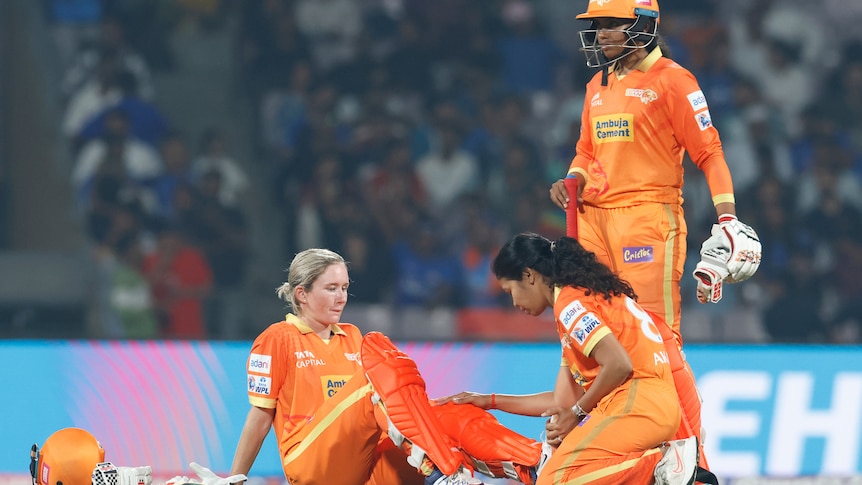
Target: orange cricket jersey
(294,371)
(634,134)
(583,320)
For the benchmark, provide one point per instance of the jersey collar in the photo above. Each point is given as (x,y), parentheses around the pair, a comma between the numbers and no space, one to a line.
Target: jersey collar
(304,328)
(647,61)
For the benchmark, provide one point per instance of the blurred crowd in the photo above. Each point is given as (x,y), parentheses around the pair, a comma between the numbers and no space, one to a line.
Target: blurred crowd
(414,137)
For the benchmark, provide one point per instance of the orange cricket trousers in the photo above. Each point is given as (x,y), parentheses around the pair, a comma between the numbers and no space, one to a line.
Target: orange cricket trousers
(344,444)
(617,442)
(645,244)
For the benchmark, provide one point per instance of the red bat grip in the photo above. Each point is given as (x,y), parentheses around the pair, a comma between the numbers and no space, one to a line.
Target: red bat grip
(572,208)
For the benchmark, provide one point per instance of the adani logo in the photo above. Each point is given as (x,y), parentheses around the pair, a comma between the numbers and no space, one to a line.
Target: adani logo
(259,363)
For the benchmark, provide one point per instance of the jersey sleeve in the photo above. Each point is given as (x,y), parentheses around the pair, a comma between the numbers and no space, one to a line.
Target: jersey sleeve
(694,130)
(267,366)
(582,327)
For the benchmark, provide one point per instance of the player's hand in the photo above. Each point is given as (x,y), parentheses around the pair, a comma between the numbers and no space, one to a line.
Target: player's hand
(745,248)
(561,421)
(560,196)
(106,473)
(711,270)
(210,478)
(479,400)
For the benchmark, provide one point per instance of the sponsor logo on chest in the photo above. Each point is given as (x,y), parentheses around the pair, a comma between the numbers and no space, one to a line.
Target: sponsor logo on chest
(646,96)
(613,128)
(305,358)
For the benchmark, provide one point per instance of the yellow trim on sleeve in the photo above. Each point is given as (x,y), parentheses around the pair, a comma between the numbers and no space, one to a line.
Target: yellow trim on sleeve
(600,334)
(262,402)
(574,170)
(721,198)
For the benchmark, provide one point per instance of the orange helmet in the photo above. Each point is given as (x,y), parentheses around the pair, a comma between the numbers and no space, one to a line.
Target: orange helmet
(621,9)
(642,33)
(68,457)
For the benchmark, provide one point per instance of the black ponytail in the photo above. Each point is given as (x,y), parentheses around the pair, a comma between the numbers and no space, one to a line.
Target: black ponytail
(563,263)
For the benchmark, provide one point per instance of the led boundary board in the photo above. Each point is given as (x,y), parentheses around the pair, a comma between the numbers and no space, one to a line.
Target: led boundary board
(769,410)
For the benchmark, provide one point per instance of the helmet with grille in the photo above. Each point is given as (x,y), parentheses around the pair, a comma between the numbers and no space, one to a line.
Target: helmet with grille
(641,32)
(68,457)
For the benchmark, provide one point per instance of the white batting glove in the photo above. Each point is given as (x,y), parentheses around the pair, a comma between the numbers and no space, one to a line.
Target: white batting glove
(210,478)
(745,249)
(106,473)
(711,270)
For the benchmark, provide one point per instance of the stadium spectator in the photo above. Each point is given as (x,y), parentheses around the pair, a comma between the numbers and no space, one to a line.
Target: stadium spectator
(146,121)
(111,43)
(332,28)
(447,172)
(137,162)
(428,274)
(92,97)
(531,61)
(177,171)
(181,280)
(221,233)
(215,155)
(131,299)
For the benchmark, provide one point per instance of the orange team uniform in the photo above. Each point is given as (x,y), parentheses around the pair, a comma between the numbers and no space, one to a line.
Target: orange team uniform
(324,416)
(634,134)
(617,442)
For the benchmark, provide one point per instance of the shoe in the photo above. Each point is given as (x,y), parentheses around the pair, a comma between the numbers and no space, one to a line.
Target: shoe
(461,477)
(678,464)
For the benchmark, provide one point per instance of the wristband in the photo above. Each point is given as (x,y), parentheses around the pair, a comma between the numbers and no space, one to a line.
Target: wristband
(579,411)
(493,401)
(726,218)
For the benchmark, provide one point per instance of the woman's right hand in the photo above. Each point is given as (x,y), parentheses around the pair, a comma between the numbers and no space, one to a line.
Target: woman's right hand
(479,400)
(560,196)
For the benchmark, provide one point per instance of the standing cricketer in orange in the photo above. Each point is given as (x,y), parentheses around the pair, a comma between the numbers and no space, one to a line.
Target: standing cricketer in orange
(614,406)
(352,410)
(641,113)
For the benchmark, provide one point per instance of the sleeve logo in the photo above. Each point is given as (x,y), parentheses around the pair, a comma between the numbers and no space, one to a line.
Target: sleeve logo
(704,120)
(697,100)
(258,384)
(262,364)
(572,310)
(585,327)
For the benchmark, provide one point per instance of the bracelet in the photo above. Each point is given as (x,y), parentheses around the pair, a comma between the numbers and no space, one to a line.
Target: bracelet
(493,401)
(579,411)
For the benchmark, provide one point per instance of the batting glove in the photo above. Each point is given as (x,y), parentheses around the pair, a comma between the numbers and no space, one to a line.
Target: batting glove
(210,478)
(744,245)
(106,473)
(711,270)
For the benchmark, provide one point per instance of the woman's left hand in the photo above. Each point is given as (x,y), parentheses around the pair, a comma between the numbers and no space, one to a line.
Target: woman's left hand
(480,400)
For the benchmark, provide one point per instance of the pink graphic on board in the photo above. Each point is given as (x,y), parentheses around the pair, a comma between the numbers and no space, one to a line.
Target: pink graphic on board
(155,403)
